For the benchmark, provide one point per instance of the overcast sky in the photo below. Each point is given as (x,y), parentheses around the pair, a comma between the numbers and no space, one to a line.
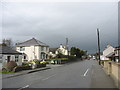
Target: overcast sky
(52,23)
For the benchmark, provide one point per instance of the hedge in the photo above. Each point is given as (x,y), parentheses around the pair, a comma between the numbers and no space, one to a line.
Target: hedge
(57,59)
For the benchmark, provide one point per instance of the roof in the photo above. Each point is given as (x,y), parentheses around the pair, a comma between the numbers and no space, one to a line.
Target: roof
(110,55)
(117,48)
(53,50)
(33,42)
(7,50)
(108,46)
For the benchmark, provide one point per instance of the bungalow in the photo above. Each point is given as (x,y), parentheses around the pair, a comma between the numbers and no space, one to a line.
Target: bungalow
(8,54)
(108,53)
(33,49)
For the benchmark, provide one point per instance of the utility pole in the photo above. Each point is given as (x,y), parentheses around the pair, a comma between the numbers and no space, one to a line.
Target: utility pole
(98,46)
(67,46)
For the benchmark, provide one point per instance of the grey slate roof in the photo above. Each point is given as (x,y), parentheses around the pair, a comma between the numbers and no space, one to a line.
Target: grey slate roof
(33,42)
(110,55)
(8,50)
(53,49)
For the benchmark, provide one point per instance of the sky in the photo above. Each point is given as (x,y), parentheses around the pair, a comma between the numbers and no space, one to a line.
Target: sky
(53,22)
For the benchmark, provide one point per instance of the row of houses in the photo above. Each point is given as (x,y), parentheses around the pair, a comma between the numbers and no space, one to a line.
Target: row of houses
(29,50)
(111,53)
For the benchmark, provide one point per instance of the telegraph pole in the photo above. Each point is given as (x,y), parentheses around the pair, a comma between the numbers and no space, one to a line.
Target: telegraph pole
(98,46)
(67,46)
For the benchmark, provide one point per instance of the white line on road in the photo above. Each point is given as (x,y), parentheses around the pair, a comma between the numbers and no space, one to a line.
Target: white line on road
(48,77)
(86,72)
(27,86)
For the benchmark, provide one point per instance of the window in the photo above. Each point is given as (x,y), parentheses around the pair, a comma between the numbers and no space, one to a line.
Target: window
(8,58)
(46,49)
(22,48)
(42,48)
(24,57)
(16,58)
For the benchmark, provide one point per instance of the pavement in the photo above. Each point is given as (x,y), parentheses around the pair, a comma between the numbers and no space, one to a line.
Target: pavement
(10,75)
(100,78)
(82,74)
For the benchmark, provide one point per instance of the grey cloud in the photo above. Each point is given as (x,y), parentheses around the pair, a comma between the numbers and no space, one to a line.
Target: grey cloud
(53,22)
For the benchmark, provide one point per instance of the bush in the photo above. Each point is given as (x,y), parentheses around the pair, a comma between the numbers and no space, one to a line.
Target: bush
(26,67)
(57,59)
(72,58)
(43,65)
(11,65)
(17,69)
(61,56)
(4,70)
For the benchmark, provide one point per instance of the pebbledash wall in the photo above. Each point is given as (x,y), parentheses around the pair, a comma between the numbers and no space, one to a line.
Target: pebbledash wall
(33,52)
(113,70)
(12,58)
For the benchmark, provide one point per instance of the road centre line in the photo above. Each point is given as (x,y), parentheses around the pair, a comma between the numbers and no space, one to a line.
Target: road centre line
(48,77)
(86,72)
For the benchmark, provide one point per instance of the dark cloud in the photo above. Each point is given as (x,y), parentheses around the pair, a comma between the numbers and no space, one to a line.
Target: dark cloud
(53,22)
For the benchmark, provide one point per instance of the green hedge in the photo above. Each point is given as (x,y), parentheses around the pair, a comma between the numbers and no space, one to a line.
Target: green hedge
(57,59)
(107,60)
(6,72)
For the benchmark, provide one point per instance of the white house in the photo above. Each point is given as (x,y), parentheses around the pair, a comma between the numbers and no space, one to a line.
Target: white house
(117,54)
(54,51)
(7,54)
(33,49)
(62,49)
(108,53)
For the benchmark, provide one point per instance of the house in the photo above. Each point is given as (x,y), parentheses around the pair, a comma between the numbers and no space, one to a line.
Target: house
(52,52)
(33,49)
(55,51)
(117,53)
(108,53)
(62,49)
(8,54)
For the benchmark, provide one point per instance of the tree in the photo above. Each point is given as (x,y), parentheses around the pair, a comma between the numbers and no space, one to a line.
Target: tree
(73,51)
(77,52)
(8,42)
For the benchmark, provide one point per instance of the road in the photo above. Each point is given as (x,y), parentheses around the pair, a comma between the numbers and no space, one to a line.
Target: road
(82,74)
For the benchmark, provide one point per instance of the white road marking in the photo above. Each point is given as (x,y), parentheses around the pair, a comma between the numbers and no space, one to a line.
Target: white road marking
(86,72)
(48,77)
(23,87)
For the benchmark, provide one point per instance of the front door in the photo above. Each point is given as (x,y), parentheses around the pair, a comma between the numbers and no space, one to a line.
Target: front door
(8,58)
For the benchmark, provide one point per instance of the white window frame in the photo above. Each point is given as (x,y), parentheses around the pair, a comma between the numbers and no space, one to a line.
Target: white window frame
(16,58)
(22,48)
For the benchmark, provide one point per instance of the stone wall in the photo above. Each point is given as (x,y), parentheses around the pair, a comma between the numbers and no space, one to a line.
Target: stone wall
(113,70)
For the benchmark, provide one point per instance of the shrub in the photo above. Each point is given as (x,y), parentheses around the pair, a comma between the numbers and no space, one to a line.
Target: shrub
(4,70)
(26,67)
(11,65)
(25,64)
(43,65)
(72,58)
(17,69)
(57,59)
